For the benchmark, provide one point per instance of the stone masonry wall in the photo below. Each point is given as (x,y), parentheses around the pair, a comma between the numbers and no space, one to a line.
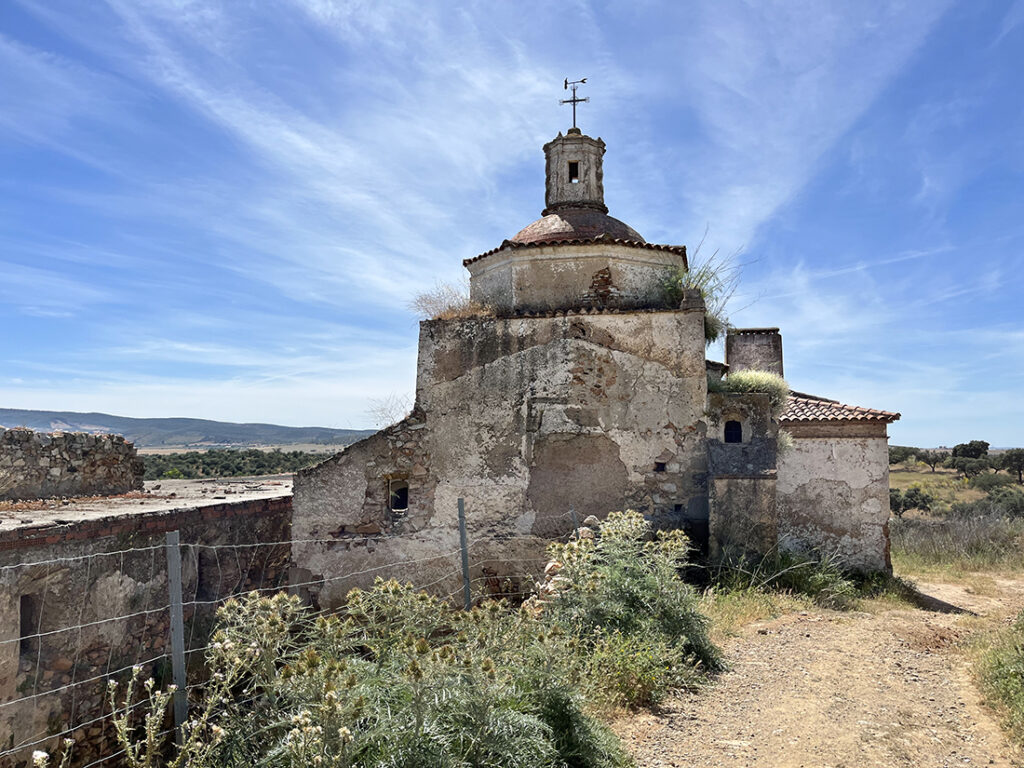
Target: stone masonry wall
(92,571)
(36,465)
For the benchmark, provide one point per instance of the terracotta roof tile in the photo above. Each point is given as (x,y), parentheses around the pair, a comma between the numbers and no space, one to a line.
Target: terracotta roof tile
(803,407)
(600,239)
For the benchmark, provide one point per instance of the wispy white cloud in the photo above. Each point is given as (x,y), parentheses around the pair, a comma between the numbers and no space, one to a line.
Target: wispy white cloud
(268,184)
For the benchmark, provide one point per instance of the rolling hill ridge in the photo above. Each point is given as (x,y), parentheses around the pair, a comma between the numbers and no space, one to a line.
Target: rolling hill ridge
(178,432)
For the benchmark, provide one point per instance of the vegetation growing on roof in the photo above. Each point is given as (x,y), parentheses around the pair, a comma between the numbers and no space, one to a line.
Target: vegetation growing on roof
(448,301)
(763,382)
(715,277)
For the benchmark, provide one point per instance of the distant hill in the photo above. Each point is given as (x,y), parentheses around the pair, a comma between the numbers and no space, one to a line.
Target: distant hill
(184,433)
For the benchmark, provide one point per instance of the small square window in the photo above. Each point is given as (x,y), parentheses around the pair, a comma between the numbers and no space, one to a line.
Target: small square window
(659,466)
(733,432)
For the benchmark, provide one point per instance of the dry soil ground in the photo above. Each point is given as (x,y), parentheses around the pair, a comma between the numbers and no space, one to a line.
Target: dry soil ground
(841,690)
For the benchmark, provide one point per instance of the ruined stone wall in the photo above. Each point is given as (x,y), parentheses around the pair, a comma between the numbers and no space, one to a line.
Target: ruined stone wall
(833,494)
(523,418)
(36,465)
(92,571)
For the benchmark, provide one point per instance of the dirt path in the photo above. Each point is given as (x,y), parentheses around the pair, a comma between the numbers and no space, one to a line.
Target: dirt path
(835,690)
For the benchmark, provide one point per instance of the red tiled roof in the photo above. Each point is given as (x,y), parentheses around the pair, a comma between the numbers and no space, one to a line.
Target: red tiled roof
(803,407)
(600,239)
(569,223)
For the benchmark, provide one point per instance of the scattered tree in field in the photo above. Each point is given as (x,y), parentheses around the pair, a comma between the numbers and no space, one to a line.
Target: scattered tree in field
(914,497)
(966,466)
(900,453)
(227,463)
(896,502)
(976,449)
(932,458)
(1013,461)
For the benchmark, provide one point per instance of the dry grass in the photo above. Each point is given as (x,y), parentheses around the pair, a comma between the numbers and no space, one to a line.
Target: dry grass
(943,484)
(448,301)
(957,547)
(732,610)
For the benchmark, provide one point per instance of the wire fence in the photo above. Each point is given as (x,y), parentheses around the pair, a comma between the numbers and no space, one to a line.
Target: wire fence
(63,678)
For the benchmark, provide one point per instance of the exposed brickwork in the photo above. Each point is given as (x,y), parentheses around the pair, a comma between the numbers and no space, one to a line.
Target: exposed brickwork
(603,292)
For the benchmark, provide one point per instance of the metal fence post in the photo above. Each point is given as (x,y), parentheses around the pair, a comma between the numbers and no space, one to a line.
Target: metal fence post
(177,631)
(466,595)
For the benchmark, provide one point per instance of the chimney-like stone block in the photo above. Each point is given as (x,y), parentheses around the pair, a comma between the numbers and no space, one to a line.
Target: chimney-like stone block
(758,349)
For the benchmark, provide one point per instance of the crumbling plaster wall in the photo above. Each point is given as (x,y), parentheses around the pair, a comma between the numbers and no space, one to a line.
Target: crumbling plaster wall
(523,418)
(743,517)
(36,465)
(543,278)
(833,495)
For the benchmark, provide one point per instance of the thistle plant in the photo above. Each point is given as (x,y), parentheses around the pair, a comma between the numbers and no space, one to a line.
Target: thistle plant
(400,678)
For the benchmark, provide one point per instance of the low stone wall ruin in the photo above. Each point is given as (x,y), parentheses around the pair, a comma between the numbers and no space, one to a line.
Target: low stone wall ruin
(81,603)
(37,465)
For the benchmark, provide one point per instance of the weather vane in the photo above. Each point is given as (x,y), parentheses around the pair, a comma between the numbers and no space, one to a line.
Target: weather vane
(574,84)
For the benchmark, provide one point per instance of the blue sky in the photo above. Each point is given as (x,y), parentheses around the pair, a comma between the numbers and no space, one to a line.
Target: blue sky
(222,209)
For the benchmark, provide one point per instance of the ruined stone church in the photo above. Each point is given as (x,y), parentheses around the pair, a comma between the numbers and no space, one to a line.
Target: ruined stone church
(581,390)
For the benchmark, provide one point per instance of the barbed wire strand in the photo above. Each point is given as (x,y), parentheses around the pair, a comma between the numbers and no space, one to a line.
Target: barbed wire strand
(454,573)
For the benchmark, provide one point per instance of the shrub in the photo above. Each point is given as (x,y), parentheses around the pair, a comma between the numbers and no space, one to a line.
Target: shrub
(990,481)
(400,678)
(1002,501)
(621,594)
(900,453)
(763,382)
(915,497)
(784,442)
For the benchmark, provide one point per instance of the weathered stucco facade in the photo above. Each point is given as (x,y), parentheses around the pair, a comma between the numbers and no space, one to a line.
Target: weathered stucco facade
(524,418)
(582,390)
(833,486)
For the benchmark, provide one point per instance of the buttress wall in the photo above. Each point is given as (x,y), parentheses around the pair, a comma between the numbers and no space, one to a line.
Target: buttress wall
(523,418)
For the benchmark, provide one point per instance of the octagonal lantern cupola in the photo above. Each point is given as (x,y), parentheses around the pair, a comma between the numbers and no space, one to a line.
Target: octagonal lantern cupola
(575,256)
(575,178)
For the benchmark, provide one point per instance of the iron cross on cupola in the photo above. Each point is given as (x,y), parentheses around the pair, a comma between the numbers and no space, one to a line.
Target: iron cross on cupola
(574,84)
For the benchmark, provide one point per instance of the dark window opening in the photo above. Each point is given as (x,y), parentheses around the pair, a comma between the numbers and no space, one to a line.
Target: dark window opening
(574,172)
(29,624)
(659,466)
(733,432)
(398,496)
(677,508)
